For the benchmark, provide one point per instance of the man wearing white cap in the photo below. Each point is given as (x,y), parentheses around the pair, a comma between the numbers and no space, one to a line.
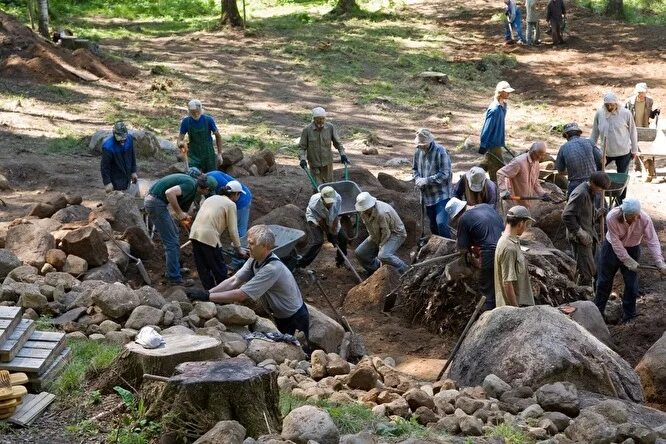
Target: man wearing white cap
(199,127)
(432,175)
(216,215)
(386,233)
(512,280)
(475,188)
(315,146)
(323,217)
(479,228)
(492,132)
(627,226)
(617,129)
(640,106)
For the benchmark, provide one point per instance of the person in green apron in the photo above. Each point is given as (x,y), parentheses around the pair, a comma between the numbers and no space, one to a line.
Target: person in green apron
(199,127)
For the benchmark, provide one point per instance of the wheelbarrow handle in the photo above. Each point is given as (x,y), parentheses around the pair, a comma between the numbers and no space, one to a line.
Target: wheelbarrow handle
(313,182)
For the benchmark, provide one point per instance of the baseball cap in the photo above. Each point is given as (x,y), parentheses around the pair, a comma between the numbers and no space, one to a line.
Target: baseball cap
(235,187)
(328,194)
(504,86)
(206,181)
(476,179)
(519,212)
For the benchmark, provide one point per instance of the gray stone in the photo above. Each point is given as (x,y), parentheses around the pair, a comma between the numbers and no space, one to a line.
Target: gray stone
(318,361)
(559,397)
(310,423)
(235,348)
(448,424)
(573,354)
(115,300)
(494,386)
(233,314)
(177,330)
(587,314)
(121,210)
(8,261)
(144,315)
(117,337)
(471,426)
(117,253)
(36,301)
(224,432)
(86,243)
(560,420)
(363,376)
(30,314)
(47,268)
(71,213)
(418,398)
(150,296)
(468,405)
(398,407)
(75,265)
(108,326)
(652,371)
(537,433)
(612,409)
(56,278)
(12,291)
(206,310)
(24,273)
(533,411)
(637,432)
(70,316)
(108,273)
(325,333)
(548,425)
(591,428)
(263,325)
(425,416)
(29,243)
(76,335)
(98,337)
(363,437)
(335,365)
(176,294)
(260,350)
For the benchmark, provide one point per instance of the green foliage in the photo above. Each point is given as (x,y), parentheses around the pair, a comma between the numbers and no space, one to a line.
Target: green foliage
(511,434)
(402,428)
(89,358)
(44,323)
(85,428)
(67,144)
(132,9)
(635,11)
(351,418)
(95,397)
(134,427)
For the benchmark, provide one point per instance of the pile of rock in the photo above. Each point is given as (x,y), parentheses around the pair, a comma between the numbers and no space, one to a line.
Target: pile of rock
(146,143)
(236,164)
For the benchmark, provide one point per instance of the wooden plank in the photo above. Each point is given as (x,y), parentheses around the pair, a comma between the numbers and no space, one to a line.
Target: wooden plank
(9,322)
(34,365)
(38,383)
(28,365)
(47,336)
(9,312)
(31,409)
(40,353)
(11,346)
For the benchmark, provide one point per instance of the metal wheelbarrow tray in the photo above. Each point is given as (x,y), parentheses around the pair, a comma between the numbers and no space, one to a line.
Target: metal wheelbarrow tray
(348,190)
(285,240)
(619,182)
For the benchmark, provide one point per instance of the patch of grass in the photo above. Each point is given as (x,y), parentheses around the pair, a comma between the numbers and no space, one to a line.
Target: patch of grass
(402,428)
(89,358)
(45,323)
(131,9)
(85,428)
(65,145)
(652,12)
(511,434)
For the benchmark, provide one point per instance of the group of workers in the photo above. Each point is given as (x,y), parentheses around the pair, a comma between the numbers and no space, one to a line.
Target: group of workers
(482,208)
(555,17)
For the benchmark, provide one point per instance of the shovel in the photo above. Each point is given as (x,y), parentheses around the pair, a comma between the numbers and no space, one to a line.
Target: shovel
(348,264)
(422,239)
(137,261)
(519,198)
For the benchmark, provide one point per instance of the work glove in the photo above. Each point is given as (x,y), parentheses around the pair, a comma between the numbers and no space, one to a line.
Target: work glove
(602,212)
(662,267)
(420,182)
(583,237)
(304,164)
(108,187)
(186,222)
(631,264)
(134,177)
(343,159)
(505,195)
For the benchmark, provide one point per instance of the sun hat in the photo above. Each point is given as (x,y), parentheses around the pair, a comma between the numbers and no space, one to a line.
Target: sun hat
(476,179)
(423,137)
(504,87)
(631,206)
(328,195)
(454,206)
(364,201)
(571,128)
(641,87)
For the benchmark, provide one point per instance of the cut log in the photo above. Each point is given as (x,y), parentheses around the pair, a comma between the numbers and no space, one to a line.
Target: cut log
(130,366)
(203,393)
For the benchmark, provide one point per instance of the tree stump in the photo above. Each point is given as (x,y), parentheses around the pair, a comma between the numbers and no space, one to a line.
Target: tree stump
(135,361)
(203,393)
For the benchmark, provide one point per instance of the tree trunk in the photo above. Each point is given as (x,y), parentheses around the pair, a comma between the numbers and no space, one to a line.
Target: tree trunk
(43,9)
(344,7)
(203,393)
(230,14)
(614,8)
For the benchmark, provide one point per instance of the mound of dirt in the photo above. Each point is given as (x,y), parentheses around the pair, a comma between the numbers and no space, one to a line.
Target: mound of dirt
(25,55)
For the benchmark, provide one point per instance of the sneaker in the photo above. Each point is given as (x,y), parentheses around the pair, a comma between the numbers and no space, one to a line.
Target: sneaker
(182,282)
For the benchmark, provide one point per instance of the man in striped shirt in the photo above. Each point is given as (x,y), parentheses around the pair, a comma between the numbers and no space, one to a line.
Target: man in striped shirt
(432,175)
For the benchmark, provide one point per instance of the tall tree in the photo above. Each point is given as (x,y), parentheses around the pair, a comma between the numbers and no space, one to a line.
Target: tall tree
(344,7)
(230,14)
(614,8)
(43,17)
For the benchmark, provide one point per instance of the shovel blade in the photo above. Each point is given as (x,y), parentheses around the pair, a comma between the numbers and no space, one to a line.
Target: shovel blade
(143,272)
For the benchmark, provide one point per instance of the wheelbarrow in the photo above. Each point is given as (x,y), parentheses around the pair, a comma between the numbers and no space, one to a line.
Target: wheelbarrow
(619,183)
(285,241)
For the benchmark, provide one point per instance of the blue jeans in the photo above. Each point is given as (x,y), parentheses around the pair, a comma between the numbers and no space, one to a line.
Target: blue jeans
(622,163)
(439,219)
(607,266)
(517,25)
(372,257)
(159,215)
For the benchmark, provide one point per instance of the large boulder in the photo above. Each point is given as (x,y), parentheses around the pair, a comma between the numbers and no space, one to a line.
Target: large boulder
(309,423)
(370,294)
(8,261)
(260,350)
(146,144)
(88,244)
(115,300)
(108,272)
(536,345)
(588,315)
(121,210)
(652,371)
(48,207)
(325,333)
(29,243)
(72,213)
(224,432)
(141,245)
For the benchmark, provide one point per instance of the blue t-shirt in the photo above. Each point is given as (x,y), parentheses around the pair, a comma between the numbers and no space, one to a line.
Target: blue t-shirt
(222,180)
(480,225)
(197,124)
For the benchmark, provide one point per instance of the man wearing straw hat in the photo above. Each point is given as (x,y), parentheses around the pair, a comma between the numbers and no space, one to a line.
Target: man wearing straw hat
(315,146)
(492,133)
(475,188)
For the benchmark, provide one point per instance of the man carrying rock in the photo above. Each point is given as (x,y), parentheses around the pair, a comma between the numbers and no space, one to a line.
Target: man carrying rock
(492,132)
(479,228)
(323,217)
(118,163)
(627,227)
(216,215)
(619,139)
(579,216)
(315,146)
(520,177)
(264,277)
(578,158)
(199,127)
(512,280)
(386,233)
(475,188)
(177,191)
(432,176)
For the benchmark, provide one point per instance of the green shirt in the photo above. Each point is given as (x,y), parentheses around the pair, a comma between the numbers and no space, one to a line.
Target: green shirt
(315,144)
(188,187)
(511,266)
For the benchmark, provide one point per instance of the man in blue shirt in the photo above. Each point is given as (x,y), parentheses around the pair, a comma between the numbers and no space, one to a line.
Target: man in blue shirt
(492,133)
(578,158)
(432,175)
(479,228)
(242,204)
(118,163)
(199,127)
